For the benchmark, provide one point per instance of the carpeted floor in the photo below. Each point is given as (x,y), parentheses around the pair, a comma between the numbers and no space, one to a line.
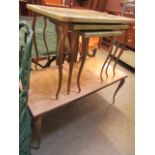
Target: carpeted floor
(92,125)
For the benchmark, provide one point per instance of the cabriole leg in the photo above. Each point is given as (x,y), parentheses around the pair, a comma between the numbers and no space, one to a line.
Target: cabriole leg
(85,42)
(61,52)
(118,88)
(37,125)
(72,57)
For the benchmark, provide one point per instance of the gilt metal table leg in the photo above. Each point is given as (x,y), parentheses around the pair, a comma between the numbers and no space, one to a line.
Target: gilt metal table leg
(111,58)
(75,36)
(85,42)
(110,51)
(48,63)
(116,61)
(119,55)
(60,55)
(118,88)
(37,124)
(76,48)
(60,81)
(67,49)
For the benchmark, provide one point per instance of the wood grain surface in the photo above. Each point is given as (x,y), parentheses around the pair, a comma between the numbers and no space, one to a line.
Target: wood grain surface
(76,16)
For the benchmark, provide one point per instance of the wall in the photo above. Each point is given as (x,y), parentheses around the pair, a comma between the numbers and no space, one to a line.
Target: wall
(114,5)
(101,5)
(92,4)
(53,1)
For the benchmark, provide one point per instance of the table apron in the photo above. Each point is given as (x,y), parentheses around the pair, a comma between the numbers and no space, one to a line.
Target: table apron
(78,27)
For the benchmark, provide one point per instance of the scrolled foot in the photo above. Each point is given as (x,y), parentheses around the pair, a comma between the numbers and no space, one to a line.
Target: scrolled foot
(118,88)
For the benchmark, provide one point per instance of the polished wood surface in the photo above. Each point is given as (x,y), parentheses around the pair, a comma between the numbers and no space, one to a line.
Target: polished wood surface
(43,85)
(75,16)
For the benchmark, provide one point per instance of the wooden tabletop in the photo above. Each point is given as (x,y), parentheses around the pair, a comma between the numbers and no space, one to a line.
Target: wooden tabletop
(78,16)
(43,85)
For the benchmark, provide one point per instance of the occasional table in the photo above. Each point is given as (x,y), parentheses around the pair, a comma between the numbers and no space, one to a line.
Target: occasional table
(44,86)
(75,20)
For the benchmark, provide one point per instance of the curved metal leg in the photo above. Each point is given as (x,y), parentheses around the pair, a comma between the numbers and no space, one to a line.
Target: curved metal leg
(76,48)
(110,51)
(118,88)
(111,58)
(75,36)
(67,49)
(50,61)
(60,55)
(85,42)
(60,81)
(117,58)
(37,124)
(116,61)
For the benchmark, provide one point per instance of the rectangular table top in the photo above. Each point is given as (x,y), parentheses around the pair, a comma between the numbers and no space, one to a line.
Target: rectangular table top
(43,85)
(70,15)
